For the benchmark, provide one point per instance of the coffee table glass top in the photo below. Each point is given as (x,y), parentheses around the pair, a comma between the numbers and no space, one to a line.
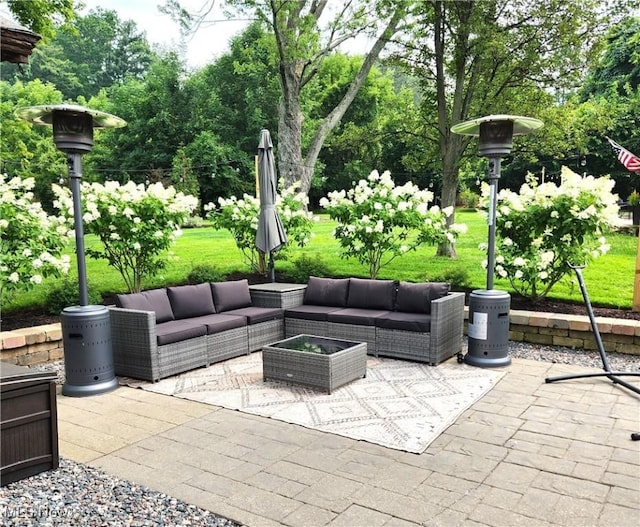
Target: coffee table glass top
(314,344)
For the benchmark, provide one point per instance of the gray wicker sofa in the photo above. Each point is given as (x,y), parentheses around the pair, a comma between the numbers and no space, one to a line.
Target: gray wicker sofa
(163,332)
(416,321)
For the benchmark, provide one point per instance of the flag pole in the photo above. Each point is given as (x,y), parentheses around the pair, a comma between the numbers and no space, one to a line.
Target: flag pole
(636,285)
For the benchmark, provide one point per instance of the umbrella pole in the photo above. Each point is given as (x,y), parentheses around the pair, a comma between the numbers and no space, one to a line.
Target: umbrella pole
(272,268)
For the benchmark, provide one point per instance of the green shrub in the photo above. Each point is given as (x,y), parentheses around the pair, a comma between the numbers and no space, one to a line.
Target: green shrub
(306,266)
(67,294)
(205,273)
(468,199)
(455,276)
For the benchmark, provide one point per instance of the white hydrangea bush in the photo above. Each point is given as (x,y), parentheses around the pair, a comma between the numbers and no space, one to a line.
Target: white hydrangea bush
(545,228)
(136,224)
(379,221)
(240,217)
(32,240)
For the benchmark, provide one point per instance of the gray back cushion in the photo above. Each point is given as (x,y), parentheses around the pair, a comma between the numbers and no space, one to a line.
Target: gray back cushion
(326,291)
(231,295)
(152,300)
(371,294)
(417,298)
(189,301)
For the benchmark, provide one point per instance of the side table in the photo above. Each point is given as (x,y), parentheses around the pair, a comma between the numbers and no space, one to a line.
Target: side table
(276,294)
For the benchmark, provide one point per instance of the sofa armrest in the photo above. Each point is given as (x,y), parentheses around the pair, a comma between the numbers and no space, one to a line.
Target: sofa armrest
(133,337)
(447,326)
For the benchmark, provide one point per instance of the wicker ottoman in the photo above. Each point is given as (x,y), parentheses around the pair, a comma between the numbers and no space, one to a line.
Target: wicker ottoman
(319,362)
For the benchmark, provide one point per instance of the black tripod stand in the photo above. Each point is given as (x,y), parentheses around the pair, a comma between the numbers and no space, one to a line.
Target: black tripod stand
(612,375)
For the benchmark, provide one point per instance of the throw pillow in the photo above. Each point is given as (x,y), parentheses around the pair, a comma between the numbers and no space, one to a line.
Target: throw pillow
(371,294)
(231,295)
(326,291)
(152,300)
(189,301)
(417,298)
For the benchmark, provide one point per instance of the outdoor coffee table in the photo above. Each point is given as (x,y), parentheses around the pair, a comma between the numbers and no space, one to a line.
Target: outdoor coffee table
(320,362)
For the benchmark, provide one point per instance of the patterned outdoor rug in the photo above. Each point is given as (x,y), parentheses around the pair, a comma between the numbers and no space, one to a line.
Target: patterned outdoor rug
(400,404)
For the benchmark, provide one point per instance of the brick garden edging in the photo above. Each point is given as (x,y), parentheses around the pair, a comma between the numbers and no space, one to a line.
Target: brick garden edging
(41,344)
(33,345)
(573,331)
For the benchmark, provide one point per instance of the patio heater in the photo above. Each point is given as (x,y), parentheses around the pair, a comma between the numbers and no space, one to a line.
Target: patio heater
(86,329)
(488,328)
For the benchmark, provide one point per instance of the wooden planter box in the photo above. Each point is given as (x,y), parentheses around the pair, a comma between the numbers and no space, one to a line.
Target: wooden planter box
(28,422)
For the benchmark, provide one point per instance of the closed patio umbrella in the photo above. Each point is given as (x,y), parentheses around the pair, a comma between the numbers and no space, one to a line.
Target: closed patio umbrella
(270,235)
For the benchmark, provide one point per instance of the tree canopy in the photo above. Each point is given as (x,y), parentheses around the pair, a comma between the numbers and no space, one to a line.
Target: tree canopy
(334,116)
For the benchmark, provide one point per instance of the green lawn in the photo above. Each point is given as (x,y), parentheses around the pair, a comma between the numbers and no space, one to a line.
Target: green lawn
(609,279)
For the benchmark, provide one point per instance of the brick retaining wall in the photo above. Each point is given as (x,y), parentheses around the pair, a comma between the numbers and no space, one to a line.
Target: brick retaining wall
(34,345)
(573,331)
(40,344)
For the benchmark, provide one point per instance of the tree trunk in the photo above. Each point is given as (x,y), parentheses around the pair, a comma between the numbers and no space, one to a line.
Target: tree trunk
(294,166)
(451,145)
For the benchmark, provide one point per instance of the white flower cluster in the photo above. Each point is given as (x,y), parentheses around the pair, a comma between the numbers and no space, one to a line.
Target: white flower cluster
(32,240)
(544,228)
(128,218)
(241,215)
(378,219)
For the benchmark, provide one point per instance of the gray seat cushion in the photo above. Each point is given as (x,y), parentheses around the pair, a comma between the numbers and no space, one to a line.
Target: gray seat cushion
(326,291)
(371,294)
(231,295)
(188,301)
(255,315)
(153,300)
(362,317)
(306,312)
(177,331)
(216,323)
(419,322)
(417,298)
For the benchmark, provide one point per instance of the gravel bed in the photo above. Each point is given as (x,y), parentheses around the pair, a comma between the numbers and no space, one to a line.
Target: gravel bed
(580,357)
(78,494)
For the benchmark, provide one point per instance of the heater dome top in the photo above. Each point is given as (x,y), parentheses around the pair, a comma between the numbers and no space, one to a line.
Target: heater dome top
(521,125)
(44,115)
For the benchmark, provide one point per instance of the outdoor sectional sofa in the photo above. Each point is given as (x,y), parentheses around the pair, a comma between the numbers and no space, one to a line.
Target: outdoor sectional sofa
(416,321)
(163,332)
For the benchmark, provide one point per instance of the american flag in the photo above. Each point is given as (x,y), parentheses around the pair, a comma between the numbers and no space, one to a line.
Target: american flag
(630,161)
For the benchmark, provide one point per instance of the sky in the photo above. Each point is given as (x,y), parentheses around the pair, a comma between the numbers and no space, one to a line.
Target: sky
(207,44)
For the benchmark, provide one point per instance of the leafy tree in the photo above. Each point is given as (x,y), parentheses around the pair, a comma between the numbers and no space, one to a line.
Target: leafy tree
(220,168)
(158,124)
(368,136)
(576,128)
(97,51)
(231,100)
(41,16)
(303,42)
(494,57)
(27,150)
(619,63)
(237,95)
